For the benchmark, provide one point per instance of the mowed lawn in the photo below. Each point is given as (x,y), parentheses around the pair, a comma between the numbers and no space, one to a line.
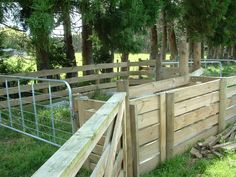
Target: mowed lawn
(185,166)
(21,156)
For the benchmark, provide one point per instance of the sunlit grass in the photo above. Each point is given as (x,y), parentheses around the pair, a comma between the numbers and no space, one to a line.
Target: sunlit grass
(185,166)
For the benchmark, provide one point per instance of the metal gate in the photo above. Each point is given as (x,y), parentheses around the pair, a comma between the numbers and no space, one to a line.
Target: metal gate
(37,107)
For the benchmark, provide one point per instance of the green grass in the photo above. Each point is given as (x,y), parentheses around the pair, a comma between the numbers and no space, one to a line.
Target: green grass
(186,166)
(21,156)
(228,70)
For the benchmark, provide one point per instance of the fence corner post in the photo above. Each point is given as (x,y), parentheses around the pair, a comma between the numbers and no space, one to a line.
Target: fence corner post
(123,86)
(162,115)
(169,125)
(222,109)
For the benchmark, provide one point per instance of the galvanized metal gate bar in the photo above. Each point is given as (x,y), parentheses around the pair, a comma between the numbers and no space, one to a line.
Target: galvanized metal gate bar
(16,116)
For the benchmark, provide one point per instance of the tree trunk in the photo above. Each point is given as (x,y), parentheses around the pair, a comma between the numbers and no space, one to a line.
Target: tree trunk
(184,56)
(87,46)
(191,49)
(70,52)
(124,58)
(158,68)
(221,52)
(43,53)
(164,36)
(173,44)
(210,52)
(154,43)
(196,55)
(234,52)
(202,50)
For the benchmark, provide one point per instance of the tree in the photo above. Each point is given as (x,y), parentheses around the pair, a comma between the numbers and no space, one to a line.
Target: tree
(87,32)
(68,42)
(201,18)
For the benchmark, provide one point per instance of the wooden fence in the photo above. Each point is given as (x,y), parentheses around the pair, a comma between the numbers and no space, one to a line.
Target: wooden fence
(164,123)
(109,119)
(85,84)
(148,135)
(192,114)
(227,102)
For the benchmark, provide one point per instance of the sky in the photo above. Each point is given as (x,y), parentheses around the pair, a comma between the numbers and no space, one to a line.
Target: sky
(58,31)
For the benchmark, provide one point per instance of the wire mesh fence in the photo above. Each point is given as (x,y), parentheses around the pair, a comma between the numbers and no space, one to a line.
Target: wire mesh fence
(40,108)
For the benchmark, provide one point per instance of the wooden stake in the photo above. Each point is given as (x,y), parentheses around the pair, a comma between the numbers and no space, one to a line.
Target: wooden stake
(123,86)
(223,87)
(169,125)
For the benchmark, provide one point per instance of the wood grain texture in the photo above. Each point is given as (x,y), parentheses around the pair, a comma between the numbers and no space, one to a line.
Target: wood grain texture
(196,90)
(181,148)
(195,103)
(195,116)
(194,129)
(148,134)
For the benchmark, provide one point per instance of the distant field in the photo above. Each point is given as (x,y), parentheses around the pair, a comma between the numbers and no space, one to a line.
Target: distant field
(26,64)
(132,57)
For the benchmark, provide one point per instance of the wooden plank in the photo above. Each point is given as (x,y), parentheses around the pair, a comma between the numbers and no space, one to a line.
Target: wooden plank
(194,129)
(181,148)
(149,150)
(230,121)
(115,140)
(28,88)
(148,73)
(230,112)
(154,87)
(222,111)
(135,139)
(230,91)
(70,157)
(63,70)
(38,98)
(118,163)
(149,165)
(101,165)
(196,90)
(93,87)
(195,103)
(148,134)
(139,81)
(146,104)
(195,116)
(148,118)
(94,158)
(231,81)
(162,116)
(142,63)
(202,79)
(98,149)
(169,124)
(123,86)
(231,101)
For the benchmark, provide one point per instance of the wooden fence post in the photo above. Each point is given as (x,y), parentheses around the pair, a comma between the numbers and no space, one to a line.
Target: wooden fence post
(118,70)
(135,140)
(76,111)
(222,109)
(123,86)
(162,114)
(140,69)
(128,70)
(169,125)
